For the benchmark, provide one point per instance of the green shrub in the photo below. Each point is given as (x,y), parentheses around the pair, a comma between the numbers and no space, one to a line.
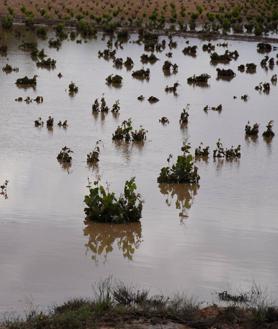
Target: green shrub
(183,171)
(7,22)
(103,206)
(42,32)
(126,132)
(84,28)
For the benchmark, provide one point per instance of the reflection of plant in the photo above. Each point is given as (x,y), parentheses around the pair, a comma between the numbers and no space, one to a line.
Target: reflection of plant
(102,238)
(103,206)
(182,195)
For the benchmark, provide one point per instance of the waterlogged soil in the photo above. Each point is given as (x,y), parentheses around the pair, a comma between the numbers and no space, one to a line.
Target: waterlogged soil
(220,235)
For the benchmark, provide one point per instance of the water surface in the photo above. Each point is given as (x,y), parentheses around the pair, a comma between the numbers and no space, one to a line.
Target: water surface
(222,234)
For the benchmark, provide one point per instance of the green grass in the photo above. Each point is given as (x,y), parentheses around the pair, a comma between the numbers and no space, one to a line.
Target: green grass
(115,305)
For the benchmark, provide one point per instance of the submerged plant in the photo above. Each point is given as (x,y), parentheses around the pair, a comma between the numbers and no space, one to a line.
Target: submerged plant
(184,115)
(202,151)
(48,63)
(103,205)
(39,122)
(224,58)
(224,74)
(50,122)
(172,89)
(199,80)
(93,157)
(263,87)
(269,133)
(164,120)
(126,132)
(9,69)
(183,171)
(252,130)
(116,107)
(153,100)
(217,108)
(169,68)
(73,89)
(190,50)
(114,80)
(141,74)
(64,156)
(229,154)
(3,189)
(63,124)
(26,82)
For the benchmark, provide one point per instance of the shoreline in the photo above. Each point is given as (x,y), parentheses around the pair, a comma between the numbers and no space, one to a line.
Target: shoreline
(125,307)
(20,21)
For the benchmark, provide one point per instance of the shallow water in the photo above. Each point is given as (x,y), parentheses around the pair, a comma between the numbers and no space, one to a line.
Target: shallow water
(228,237)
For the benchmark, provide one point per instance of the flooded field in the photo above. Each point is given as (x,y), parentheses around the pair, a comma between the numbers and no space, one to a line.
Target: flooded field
(218,235)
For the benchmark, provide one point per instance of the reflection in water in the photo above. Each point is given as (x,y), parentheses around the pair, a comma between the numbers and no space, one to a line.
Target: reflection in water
(65,166)
(182,194)
(126,148)
(102,238)
(233,162)
(252,138)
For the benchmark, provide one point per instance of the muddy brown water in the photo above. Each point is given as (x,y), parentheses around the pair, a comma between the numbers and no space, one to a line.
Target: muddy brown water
(222,235)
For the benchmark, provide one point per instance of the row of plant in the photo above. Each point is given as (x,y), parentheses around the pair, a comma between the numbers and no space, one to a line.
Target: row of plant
(249,16)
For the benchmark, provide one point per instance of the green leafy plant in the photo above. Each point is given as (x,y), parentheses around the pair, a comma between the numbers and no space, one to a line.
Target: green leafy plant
(103,205)
(7,22)
(126,132)
(183,171)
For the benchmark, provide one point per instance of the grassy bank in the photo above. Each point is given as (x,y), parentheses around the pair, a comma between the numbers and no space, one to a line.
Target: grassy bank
(125,307)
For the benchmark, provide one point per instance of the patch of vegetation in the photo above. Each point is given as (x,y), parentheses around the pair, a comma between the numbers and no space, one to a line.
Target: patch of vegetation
(103,206)
(7,22)
(183,171)
(202,151)
(190,50)
(199,80)
(141,74)
(217,108)
(184,115)
(229,154)
(64,156)
(26,82)
(48,63)
(9,69)
(225,74)
(73,89)
(224,58)
(114,80)
(118,304)
(252,130)
(269,133)
(93,157)
(126,132)
(4,189)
